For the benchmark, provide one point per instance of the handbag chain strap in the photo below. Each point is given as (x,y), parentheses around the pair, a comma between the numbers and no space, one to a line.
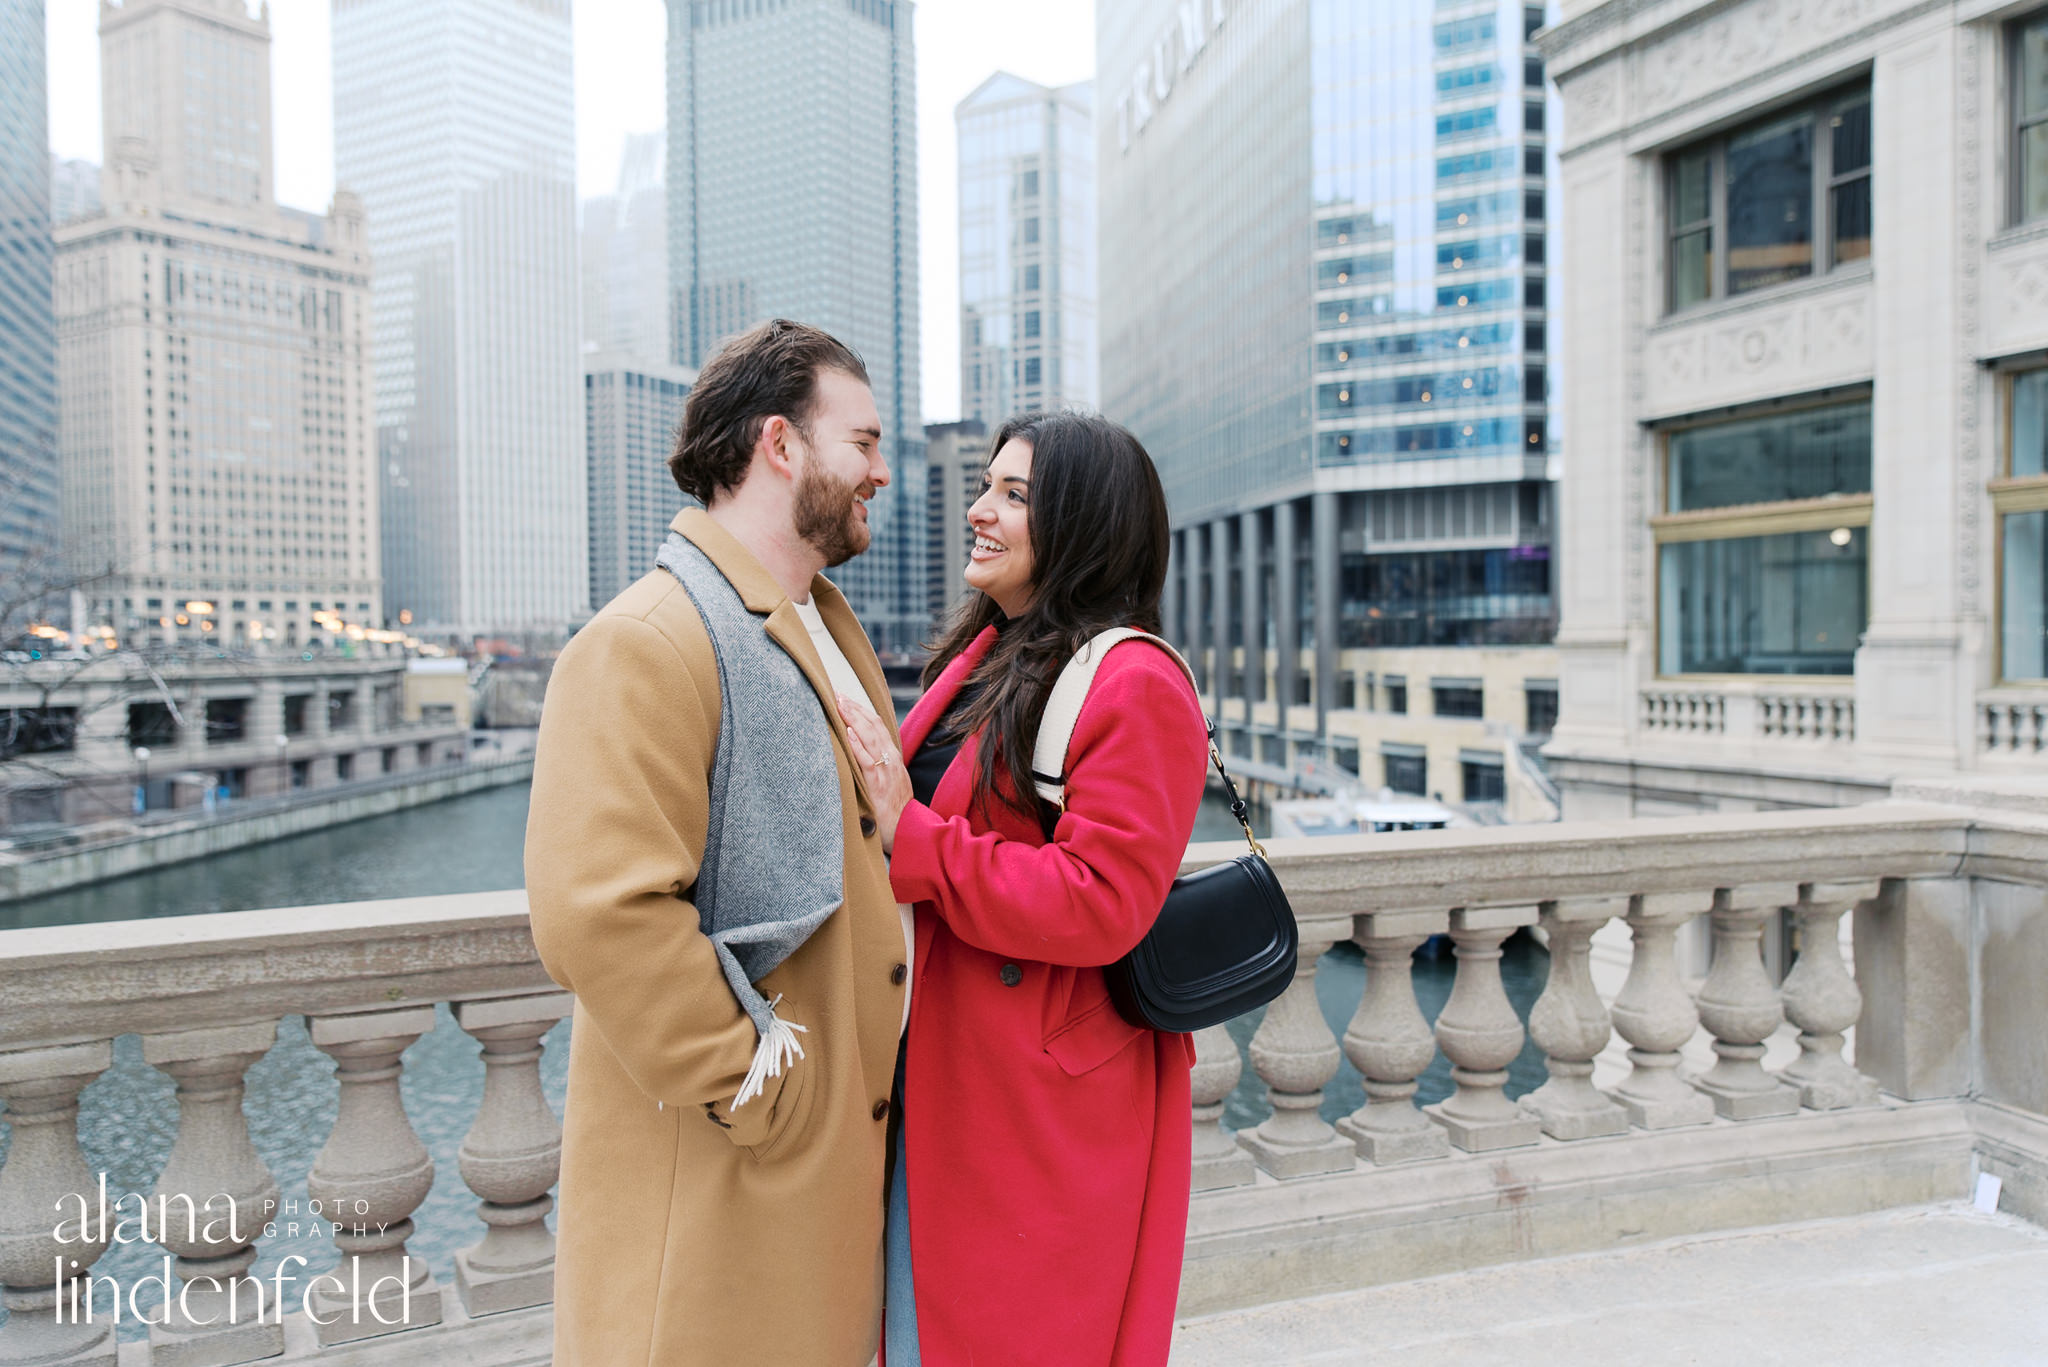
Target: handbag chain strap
(1237,804)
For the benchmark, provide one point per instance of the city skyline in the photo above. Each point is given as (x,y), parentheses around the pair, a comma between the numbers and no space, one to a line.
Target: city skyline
(621,92)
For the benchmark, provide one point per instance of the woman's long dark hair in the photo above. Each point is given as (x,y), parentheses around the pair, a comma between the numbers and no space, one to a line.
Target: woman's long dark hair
(1099,539)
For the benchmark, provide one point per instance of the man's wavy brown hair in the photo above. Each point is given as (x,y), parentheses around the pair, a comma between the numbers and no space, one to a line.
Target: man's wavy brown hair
(766,372)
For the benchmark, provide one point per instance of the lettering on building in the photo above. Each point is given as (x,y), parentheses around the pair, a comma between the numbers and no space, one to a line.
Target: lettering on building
(1172,55)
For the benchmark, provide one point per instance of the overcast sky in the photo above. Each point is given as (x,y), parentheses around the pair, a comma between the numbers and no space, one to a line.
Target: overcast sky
(619,90)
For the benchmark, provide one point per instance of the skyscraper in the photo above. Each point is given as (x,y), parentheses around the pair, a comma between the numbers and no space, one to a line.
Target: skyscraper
(631,409)
(213,368)
(625,259)
(1027,247)
(28,335)
(792,191)
(1324,310)
(456,121)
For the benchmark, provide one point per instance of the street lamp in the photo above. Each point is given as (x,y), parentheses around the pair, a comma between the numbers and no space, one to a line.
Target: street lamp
(141,779)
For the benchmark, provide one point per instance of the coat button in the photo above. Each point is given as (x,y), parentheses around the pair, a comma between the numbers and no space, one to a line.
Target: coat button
(881,1110)
(899,973)
(867,826)
(1011,975)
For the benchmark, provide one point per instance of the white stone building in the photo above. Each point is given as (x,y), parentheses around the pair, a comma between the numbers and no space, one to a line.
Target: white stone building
(455,121)
(213,356)
(1807,384)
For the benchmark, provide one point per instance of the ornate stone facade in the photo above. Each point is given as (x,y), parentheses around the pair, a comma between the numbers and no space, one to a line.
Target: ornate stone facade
(1927,328)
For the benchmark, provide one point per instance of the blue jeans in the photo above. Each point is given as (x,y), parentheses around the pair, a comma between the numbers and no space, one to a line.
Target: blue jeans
(899,1296)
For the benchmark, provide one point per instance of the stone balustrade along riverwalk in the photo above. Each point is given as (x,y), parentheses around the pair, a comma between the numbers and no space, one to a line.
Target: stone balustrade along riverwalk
(1947,885)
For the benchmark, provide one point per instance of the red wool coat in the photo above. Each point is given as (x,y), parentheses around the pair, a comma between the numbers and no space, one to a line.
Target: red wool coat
(1047,1140)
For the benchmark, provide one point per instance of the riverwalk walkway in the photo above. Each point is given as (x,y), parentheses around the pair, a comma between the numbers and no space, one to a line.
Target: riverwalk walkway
(1925,1286)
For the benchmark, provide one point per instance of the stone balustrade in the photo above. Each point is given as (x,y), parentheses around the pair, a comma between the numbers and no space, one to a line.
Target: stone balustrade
(2013,724)
(1807,716)
(1697,712)
(1951,941)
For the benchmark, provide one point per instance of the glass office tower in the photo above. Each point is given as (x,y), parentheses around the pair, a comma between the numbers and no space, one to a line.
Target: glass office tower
(1431,286)
(28,327)
(1323,310)
(792,192)
(1027,248)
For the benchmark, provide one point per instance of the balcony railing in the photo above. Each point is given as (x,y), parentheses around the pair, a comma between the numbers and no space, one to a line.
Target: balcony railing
(1951,906)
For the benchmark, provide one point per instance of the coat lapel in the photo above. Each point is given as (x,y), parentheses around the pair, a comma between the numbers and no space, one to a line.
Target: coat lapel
(759,591)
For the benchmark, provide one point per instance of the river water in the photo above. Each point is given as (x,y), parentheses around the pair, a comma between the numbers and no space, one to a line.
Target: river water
(473,844)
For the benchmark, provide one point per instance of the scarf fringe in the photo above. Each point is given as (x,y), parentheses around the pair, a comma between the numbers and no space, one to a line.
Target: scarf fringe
(779,1049)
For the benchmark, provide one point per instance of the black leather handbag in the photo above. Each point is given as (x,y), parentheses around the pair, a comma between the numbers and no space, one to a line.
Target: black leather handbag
(1225,941)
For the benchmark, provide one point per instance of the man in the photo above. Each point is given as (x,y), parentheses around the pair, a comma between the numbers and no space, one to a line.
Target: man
(704,873)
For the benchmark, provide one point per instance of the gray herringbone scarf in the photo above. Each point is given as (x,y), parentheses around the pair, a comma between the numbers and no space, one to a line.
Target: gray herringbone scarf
(773,867)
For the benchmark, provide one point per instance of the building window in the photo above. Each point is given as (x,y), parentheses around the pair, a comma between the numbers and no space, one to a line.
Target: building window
(1344,754)
(151,723)
(1030,231)
(344,767)
(225,719)
(1484,777)
(2020,500)
(1030,278)
(1397,694)
(1763,551)
(1540,700)
(2029,43)
(1775,201)
(37,730)
(1347,691)
(1457,697)
(1034,370)
(295,714)
(1406,769)
(1031,322)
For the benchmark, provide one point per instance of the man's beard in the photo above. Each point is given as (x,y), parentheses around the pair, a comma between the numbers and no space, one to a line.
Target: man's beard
(826,513)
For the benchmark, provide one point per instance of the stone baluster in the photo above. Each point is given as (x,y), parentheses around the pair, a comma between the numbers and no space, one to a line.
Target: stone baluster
(1822,999)
(1295,1054)
(50,1208)
(1480,1034)
(1390,1043)
(219,1317)
(511,1156)
(1656,1015)
(1219,1162)
(370,1176)
(1739,1005)
(1571,1026)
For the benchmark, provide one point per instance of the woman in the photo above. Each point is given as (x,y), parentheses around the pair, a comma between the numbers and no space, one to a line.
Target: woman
(1039,1202)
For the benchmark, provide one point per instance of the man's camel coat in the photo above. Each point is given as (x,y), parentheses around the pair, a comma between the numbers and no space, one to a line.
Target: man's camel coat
(690,1232)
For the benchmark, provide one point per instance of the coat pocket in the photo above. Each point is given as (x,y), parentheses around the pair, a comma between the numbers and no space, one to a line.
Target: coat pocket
(1092,1039)
(791,1108)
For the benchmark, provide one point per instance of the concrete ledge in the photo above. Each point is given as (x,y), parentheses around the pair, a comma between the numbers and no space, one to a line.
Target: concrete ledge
(2013,1146)
(1280,1241)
